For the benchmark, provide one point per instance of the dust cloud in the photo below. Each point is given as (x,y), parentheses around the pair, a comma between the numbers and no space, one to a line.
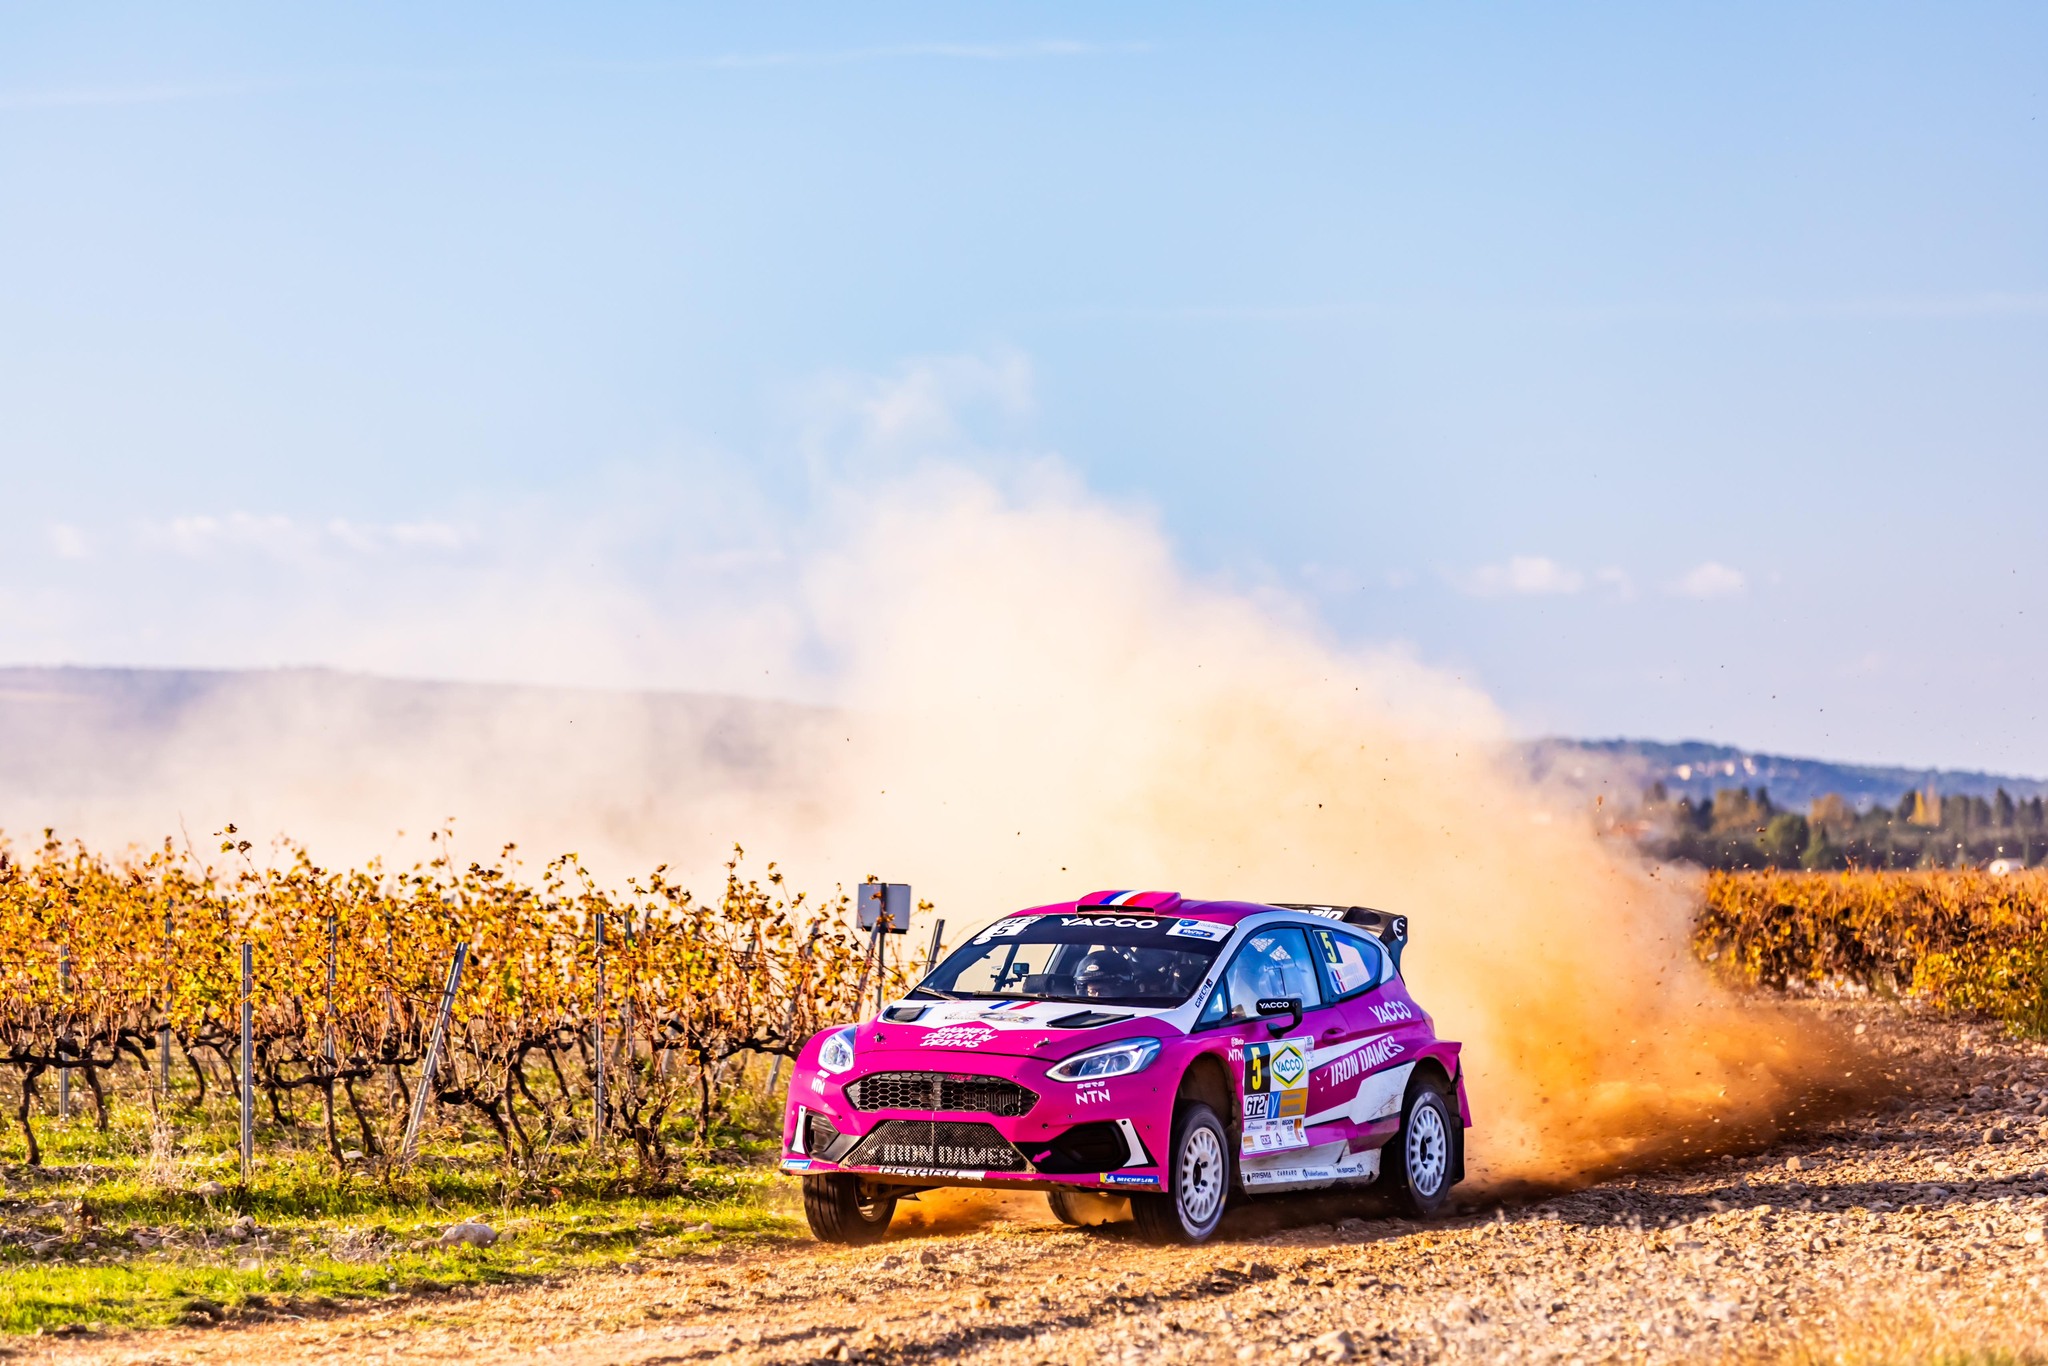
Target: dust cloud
(1051,704)
(1023,696)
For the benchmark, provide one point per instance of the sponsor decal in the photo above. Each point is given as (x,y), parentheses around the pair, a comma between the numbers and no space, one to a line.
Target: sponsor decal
(957,1036)
(1364,1057)
(1109,922)
(1129,1179)
(1392,1011)
(1092,1093)
(951,1156)
(932,1173)
(1004,929)
(1199,929)
(1278,1176)
(796,1164)
(1379,1051)
(818,1085)
(1273,1135)
(1276,1095)
(1276,1066)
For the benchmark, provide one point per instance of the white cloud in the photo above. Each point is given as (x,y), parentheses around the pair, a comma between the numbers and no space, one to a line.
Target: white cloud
(1710,580)
(68,542)
(204,534)
(1524,576)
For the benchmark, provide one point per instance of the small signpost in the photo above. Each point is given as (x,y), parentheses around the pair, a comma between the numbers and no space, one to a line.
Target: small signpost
(880,908)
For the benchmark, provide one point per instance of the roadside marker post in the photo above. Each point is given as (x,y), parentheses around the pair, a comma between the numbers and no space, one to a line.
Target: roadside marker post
(248,1060)
(63,1069)
(409,1148)
(597,1050)
(163,1033)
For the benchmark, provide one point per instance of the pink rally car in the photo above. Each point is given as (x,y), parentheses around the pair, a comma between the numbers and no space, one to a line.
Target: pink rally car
(1136,1044)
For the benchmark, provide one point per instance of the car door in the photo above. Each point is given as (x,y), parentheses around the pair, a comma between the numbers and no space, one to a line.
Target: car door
(1277,1071)
(1361,1058)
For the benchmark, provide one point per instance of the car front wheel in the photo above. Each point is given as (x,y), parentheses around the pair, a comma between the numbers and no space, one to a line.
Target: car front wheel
(842,1208)
(1198,1181)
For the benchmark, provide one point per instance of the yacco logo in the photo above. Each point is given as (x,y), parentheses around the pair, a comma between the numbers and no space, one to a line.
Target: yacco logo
(1288,1065)
(1110,922)
(1392,1011)
(957,1036)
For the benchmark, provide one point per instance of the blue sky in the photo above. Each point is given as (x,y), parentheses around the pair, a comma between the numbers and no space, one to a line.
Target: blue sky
(1672,371)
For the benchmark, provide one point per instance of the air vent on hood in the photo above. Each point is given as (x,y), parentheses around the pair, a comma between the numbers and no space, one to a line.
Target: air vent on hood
(1085,1019)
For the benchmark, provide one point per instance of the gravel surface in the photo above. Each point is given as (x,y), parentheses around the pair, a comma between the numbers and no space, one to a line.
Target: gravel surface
(1881,1236)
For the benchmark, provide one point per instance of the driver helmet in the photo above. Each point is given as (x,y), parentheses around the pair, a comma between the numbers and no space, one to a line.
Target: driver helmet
(1105,972)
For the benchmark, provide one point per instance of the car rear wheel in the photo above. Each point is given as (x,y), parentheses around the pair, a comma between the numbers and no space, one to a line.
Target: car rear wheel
(1423,1155)
(1198,1180)
(842,1208)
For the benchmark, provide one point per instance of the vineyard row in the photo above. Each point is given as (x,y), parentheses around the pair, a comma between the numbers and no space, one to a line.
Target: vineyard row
(113,962)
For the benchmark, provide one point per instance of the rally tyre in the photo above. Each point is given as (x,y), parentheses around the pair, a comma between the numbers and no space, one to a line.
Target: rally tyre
(1423,1156)
(1063,1209)
(1198,1180)
(841,1208)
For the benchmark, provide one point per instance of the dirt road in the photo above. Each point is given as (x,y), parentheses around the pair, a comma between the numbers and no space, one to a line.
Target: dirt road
(1917,1226)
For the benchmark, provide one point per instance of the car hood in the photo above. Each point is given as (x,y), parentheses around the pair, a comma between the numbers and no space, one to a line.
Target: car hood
(1040,1029)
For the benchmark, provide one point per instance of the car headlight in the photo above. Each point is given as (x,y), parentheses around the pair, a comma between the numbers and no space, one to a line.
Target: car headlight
(1118,1059)
(837,1054)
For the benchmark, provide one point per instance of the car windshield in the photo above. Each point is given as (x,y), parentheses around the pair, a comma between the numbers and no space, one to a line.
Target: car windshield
(1112,958)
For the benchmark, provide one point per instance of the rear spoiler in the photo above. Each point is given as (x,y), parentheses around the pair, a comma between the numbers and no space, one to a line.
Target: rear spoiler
(1391,930)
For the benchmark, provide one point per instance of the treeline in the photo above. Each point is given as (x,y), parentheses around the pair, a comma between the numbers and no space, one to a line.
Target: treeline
(1743,828)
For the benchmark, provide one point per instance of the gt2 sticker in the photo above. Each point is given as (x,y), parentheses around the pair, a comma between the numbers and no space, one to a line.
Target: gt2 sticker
(1199,929)
(1392,1011)
(957,1036)
(1277,1104)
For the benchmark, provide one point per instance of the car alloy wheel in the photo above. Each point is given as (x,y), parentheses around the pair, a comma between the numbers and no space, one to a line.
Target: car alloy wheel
(1202,1175)
(1197,1180)
(1428,1150)
(1422,1161)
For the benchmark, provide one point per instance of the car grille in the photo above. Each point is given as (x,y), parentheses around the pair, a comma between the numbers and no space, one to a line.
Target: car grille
(947,1144)
(941,1091)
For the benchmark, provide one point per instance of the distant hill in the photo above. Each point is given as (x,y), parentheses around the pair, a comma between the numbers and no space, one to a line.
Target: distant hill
(346,760)
(1695,769)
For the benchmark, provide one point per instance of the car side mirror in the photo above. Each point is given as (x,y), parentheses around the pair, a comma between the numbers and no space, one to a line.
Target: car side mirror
(1271,1007)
